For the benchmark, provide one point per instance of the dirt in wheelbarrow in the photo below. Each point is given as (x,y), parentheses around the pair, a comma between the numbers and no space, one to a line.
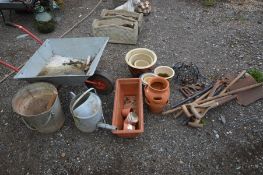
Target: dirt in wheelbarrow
(222,39)
(59,65)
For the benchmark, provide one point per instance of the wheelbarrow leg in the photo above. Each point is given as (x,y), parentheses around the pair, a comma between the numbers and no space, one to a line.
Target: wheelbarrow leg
(2,14)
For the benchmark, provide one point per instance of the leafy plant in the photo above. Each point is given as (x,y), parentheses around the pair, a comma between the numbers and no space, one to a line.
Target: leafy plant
(256,74)
(208,2)
(203,121)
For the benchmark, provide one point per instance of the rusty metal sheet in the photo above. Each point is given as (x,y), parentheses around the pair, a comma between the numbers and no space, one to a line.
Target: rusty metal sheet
(245,98)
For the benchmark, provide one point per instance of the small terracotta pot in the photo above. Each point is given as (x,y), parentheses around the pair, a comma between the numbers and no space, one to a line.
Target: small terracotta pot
(126,111)
(157,94)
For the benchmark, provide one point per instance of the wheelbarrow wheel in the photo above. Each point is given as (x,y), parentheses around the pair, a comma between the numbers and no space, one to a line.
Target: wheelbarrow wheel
(102,82)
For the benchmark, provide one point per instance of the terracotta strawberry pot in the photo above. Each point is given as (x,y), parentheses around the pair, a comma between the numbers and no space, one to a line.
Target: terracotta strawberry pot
(128,94)
(157,94)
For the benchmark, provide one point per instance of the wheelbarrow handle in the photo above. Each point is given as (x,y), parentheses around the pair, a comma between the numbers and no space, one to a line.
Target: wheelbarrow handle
(23,29)
(16,69)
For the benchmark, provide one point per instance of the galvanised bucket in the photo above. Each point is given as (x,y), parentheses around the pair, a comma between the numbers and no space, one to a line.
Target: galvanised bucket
(39,107)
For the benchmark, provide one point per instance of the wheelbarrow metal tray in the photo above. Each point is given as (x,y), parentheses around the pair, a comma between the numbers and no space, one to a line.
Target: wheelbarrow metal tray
(67,47)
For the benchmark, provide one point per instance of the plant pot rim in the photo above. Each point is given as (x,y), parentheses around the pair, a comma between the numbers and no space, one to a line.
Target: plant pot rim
(127,57)
(168,67)
(145,74)
(161,80)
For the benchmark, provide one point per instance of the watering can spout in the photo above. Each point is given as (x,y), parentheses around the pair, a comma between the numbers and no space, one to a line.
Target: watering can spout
(106,126)
(72,95)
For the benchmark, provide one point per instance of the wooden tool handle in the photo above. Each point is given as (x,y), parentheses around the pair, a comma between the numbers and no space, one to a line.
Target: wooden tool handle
(231,92)
(195,125)
(172,110)
(233,82)
(225,99)
(187,113)
(216,86)
(196,113)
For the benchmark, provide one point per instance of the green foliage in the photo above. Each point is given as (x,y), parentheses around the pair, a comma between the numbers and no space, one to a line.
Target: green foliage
(209,2)
(203,121)
(256,74)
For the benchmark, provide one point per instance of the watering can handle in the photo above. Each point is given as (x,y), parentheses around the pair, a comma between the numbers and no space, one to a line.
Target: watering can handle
(72,95)
(80,97)
(33,128)
(90,89)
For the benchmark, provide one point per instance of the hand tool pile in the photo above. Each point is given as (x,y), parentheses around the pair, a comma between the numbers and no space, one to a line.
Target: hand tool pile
(221,93)
(189,90)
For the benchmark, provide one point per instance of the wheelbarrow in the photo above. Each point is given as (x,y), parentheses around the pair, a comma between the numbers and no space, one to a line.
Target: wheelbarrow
(68,47)
(80,48)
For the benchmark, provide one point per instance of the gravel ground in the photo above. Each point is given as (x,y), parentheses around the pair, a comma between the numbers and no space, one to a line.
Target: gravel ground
(223,39)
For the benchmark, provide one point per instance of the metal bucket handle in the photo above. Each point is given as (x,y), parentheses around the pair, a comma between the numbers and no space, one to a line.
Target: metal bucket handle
(32,128)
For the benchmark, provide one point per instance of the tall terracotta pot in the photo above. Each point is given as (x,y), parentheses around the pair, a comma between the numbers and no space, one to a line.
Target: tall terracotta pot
(157,94)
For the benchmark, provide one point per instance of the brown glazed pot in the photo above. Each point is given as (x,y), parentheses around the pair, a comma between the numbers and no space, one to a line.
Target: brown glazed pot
(137,72)
(157,94)
(146,57)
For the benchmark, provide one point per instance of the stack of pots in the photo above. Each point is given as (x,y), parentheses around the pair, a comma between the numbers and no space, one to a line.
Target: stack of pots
(140,60)
(157,94)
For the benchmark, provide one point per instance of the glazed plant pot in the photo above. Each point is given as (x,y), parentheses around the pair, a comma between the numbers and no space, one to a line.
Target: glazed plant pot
(140,60)
(165,72)
(157,94)
(141,63)
(146,77)
(44,22)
